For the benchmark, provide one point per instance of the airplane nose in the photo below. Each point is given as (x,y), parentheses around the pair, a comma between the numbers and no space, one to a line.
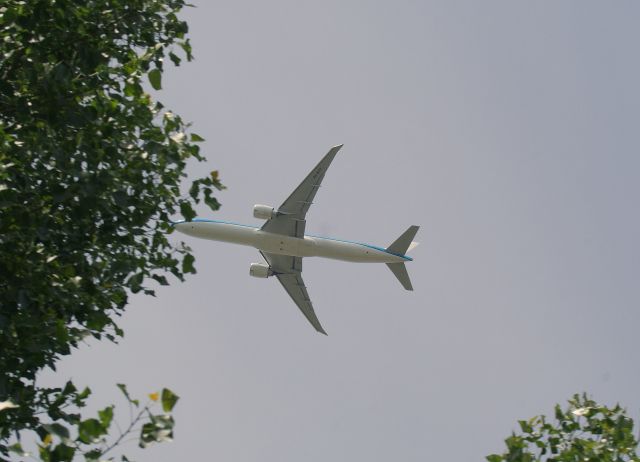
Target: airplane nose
(181,226)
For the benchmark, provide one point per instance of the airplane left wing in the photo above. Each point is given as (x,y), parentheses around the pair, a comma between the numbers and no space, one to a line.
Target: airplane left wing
(288,270)
(291,214)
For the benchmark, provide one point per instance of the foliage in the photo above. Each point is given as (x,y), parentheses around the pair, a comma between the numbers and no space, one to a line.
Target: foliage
(90,172)
(584,431)
(90,438)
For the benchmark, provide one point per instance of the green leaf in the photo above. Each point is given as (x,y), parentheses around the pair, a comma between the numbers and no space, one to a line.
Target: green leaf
(495,458)
(176,60)
(186,46)
(82,396)
(161,279)
(147,435)
(69,388)
(106,416)
(211,201)
(93,456)
(62,453)
(187,264)
(169,400)
(89,431)
(125,392)
(135,282)
(159,429)
(196,138)
(187,211)
(57,429)
(45,453)
(155,78)
(525,427)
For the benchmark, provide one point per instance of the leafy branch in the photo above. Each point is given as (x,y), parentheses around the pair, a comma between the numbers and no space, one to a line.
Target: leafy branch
(71,436)
(583,431)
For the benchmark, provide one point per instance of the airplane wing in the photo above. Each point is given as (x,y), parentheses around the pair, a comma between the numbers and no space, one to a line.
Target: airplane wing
(292,212)
(288,270)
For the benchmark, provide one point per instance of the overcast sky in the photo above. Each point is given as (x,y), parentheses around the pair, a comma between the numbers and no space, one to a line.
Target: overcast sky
(508,130)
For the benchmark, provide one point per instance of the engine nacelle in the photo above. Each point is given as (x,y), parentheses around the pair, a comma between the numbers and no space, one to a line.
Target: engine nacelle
(264,212)
(260,270)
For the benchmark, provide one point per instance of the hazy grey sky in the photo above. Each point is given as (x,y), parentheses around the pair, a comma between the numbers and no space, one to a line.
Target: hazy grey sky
(509,130)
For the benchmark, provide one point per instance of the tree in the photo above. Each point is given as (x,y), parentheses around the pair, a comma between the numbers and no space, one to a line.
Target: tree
(584,431)
(90,174)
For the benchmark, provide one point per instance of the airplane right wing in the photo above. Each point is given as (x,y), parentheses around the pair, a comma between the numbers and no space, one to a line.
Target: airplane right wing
(288,270)
(291,218)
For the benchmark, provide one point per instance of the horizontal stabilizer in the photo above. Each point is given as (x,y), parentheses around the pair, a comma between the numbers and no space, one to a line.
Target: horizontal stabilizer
(399,270)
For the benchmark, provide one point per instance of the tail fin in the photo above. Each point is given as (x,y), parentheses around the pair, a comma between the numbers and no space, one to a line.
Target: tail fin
(400,272)
(401,245)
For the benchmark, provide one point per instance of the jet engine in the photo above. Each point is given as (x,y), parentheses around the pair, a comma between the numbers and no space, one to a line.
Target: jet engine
(260,270)
(264,212)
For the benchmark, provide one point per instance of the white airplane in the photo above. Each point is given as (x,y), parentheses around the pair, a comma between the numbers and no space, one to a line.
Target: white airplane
(283,244)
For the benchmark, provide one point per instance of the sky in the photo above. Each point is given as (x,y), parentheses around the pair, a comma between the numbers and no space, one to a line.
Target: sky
(508,130)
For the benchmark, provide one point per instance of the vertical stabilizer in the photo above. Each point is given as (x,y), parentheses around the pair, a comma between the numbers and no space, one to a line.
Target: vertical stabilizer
(399,270)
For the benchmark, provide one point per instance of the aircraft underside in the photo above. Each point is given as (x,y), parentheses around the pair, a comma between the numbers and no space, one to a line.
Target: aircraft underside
(282,241)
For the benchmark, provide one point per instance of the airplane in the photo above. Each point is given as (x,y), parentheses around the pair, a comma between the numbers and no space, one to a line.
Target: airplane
(283,244)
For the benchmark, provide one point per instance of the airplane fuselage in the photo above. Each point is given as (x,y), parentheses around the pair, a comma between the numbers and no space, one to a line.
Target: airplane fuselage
(309,246)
